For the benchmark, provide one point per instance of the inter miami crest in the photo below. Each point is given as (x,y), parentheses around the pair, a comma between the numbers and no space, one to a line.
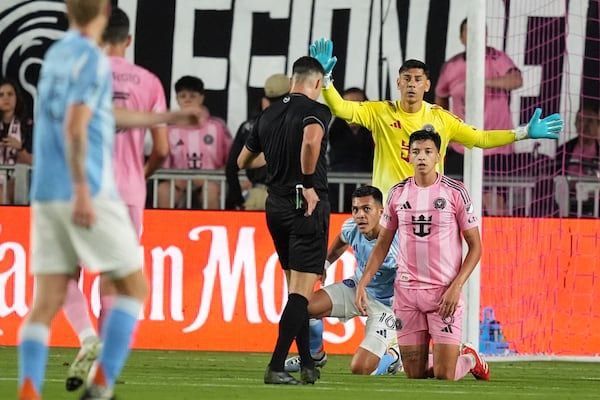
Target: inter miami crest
(209,139)
(439,203)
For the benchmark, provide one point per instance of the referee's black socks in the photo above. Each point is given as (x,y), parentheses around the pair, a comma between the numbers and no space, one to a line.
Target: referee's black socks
(293,323)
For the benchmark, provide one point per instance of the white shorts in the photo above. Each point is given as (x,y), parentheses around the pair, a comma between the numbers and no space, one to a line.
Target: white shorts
(380,328)
(58,245)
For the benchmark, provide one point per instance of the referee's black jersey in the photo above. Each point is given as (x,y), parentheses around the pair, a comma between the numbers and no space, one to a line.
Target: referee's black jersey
(278,133)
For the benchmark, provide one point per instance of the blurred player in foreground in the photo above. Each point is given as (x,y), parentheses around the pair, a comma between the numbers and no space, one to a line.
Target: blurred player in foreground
(378,353)
(77,214)
(428,212)
(134,88)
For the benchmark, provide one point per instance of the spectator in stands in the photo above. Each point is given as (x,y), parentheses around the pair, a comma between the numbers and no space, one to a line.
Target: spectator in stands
(276,87)
(580,156)
(501,76)
(351,149)
(16,135)
(203,148)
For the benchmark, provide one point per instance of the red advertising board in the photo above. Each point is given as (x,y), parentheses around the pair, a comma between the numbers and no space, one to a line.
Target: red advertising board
(214,278)
(216,284)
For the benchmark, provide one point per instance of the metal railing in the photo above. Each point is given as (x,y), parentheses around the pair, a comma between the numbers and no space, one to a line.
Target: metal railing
(336,178)
(17,175)
(519,190)
(573,191)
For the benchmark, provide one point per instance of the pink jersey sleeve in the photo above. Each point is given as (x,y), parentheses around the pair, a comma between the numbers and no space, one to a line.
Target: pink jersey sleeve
(500,63)
(389,218)
(465,212)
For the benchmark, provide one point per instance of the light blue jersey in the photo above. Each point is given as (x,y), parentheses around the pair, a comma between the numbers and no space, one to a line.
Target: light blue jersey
(381,286)
(75,71)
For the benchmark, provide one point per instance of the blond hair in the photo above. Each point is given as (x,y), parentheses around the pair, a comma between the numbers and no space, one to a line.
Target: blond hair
(82,12)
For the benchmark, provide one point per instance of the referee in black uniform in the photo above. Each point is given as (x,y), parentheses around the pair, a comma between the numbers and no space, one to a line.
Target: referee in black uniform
(292,135)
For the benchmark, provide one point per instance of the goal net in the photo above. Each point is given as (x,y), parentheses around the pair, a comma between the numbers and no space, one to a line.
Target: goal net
(540,273)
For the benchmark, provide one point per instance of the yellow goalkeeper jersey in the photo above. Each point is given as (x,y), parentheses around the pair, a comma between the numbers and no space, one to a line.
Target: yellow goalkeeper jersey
(391,128)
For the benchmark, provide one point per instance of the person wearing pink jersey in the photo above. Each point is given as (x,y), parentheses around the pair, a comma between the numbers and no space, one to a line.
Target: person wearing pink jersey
(134,88)
(198,148)
(429,212)
(501,76)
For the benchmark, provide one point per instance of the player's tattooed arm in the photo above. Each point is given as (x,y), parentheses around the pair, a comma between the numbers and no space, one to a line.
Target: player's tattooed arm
(76,128)
(76,125)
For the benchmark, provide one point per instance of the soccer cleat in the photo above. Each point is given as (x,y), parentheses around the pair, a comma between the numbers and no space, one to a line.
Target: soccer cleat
(481,370)
(309,375)
(293,364)
(279,378)
(79,369)
(397,364)
(94,392)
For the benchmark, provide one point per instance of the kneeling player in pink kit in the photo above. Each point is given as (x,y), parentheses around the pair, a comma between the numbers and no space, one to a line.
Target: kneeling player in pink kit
(429,211)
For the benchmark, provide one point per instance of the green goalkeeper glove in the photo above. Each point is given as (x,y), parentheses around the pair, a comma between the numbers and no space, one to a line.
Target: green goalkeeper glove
(547,128)
(322,51)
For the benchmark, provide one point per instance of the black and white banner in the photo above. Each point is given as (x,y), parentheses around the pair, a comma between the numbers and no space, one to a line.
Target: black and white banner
(234,45)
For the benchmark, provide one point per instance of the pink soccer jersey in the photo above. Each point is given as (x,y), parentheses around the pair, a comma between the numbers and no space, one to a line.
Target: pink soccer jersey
(137,89)
(497,115)
(429,221)
(206,147)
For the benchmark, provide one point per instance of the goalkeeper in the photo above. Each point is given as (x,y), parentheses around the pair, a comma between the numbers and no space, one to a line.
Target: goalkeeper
(378,354)
(392,122)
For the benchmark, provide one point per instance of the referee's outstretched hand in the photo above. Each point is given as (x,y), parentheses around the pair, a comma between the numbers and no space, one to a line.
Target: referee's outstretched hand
(322,50)
(312,198)
(547,128)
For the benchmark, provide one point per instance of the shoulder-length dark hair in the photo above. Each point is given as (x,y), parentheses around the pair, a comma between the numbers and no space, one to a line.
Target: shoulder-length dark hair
(20,106)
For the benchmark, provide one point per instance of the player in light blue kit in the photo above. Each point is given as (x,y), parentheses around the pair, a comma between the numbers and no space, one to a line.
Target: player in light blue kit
(76,213)
(378,353)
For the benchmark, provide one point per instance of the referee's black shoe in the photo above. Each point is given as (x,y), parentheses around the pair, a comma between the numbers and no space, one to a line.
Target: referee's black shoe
(308,375)
(279,378)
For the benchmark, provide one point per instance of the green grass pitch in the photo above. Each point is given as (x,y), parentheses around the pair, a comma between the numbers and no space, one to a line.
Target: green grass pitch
(180,375)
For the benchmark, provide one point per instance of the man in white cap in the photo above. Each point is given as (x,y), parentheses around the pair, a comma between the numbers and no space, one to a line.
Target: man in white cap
(276,87)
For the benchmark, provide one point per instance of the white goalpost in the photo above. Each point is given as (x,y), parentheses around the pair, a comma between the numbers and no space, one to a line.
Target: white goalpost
(473,164)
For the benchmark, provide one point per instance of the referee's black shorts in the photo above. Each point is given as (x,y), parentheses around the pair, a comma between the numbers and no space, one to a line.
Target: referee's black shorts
(300,242)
